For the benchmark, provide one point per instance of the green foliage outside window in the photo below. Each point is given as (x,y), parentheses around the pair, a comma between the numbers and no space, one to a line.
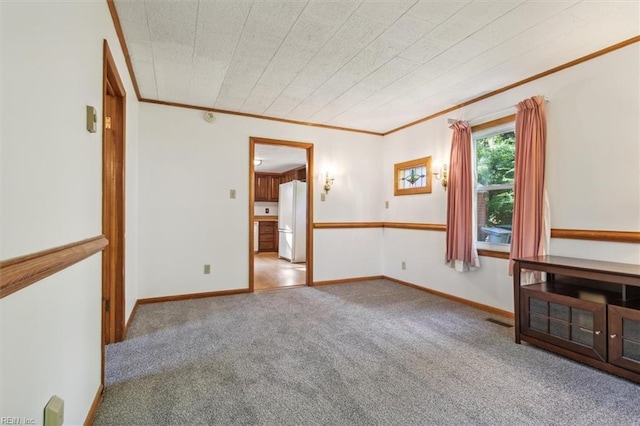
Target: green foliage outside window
(495,156)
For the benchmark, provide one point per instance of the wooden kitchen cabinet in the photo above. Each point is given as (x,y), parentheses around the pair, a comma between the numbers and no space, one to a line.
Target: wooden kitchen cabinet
(266,187)
(268,236)
(301,174)
(274,187)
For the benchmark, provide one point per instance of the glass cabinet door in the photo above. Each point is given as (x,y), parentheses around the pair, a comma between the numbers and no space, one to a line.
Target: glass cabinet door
(624,337)
(574,324)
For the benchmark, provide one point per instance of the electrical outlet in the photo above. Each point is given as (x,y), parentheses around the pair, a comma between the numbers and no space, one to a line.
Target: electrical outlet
(207,269)
(54,412)
(404,265)
(232,194)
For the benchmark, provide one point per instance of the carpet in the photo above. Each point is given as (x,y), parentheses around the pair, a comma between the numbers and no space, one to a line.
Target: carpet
(368,353)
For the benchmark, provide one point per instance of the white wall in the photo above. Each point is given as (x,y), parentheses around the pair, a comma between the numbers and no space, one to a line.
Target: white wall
(188,166)
(51,192)
(593,175)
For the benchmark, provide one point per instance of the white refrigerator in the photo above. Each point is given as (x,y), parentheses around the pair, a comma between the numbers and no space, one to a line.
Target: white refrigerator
(292,221)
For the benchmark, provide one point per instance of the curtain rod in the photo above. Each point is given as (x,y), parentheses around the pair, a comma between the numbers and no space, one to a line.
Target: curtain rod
(454,120)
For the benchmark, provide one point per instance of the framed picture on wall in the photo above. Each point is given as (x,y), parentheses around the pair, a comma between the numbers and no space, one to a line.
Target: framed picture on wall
(412,177)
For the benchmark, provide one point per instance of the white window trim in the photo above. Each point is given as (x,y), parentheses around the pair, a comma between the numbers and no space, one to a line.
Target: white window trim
(501,128)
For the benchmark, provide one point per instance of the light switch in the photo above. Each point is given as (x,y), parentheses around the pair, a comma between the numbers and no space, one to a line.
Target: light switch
(207,269)
(386,204)
(92,119)
(232,194)
(323,197)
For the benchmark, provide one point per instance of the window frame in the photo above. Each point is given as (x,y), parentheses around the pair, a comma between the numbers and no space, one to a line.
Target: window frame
(405,165)
(480,131)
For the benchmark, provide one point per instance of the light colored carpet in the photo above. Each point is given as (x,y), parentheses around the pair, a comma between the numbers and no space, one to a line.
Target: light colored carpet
(371,353)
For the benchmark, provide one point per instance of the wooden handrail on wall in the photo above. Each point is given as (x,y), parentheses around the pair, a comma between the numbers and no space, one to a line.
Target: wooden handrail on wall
(346,225)
(588,234)
(568,234)
(20,272)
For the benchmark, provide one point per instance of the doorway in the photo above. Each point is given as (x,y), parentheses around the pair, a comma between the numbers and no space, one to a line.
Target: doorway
(113,201)
(280,214)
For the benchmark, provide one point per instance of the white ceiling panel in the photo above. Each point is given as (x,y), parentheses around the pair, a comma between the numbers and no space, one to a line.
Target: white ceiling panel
(389,73)
(326,113)
(134,11)
(282,106)
(342,103)
(455,29)
(278,158)
(228,103)
(373,65)
(229,90)
(206,80)
(336,11)
(486,12)
(172,22)
(408,30)
(146,78)
(436,11)
(424,50)
(288,100)
(137,29)
(385,12)
(260,99)
(465,50)
(305,110)
(593,11)
(215,38)
(347,42)
(172,80)
(519,19)
(142,52)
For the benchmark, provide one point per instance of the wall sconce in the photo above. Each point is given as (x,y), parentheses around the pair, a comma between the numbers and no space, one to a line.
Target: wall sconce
(441,174)
(257,162)
(327,182)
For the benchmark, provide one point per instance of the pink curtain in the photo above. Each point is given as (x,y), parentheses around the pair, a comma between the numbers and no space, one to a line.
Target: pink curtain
(530,207)
(461,252)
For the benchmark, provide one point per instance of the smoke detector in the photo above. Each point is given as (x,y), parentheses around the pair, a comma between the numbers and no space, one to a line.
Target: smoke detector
(209,117)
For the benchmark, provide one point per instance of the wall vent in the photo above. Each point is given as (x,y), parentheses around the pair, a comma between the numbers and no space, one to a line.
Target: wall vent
(502,323)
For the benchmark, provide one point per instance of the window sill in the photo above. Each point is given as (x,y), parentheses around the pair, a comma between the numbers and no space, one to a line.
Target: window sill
(499,251)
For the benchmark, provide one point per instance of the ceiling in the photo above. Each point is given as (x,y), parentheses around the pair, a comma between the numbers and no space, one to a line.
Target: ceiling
(279,158)
(370,65)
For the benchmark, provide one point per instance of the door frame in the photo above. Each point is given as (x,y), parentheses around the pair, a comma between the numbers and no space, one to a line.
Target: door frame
(113,214)
(308,147)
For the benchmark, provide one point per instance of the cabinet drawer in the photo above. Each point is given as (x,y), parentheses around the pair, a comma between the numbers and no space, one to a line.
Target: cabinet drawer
(574,324)
(266,237)
(267,227)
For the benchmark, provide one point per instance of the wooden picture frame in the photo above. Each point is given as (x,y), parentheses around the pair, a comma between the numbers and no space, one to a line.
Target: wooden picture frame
(412,177)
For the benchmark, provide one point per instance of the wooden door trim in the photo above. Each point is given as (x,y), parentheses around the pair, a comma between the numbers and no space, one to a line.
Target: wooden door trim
(252,175)
(113,220)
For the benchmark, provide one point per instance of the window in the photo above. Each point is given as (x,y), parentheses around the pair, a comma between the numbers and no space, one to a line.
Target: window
(494,149)
(412,177)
